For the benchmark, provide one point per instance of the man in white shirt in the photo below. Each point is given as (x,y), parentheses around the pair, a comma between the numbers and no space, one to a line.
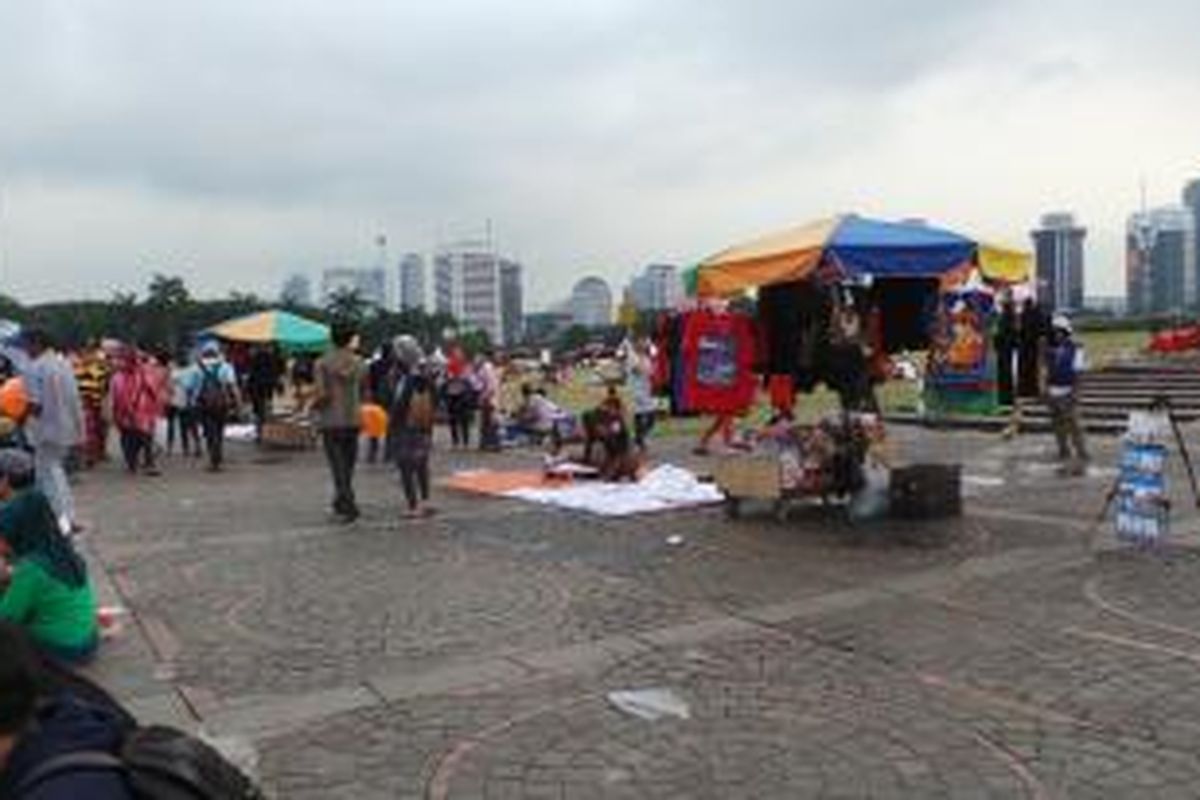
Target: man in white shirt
(55,422)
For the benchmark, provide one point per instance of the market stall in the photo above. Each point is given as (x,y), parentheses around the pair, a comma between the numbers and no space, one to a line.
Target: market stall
(835,299)
(291,334)
(894,276)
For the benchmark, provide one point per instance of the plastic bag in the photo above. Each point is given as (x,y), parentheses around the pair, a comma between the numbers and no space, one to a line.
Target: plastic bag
(871,501)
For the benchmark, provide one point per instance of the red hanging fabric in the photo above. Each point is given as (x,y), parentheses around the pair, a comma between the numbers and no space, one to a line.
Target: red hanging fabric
(718,352)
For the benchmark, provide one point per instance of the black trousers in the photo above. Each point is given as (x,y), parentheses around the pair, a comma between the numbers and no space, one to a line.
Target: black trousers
(414,478)
(643,423)
(341,451)
(458,409)
(260,402)
(213,425)
(134,444)
(182,421)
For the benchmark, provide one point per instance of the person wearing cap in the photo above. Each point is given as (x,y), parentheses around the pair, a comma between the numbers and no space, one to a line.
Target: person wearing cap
(214,396)
(1064,361)
(410,424)
(46,588)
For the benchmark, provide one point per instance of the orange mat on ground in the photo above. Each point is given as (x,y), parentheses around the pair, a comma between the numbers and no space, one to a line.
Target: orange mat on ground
(486,481)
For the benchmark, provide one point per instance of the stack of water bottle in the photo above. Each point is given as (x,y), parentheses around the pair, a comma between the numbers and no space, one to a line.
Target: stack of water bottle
(1142,502)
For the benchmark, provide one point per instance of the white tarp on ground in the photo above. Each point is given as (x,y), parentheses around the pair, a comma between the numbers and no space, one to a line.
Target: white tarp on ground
(664,488)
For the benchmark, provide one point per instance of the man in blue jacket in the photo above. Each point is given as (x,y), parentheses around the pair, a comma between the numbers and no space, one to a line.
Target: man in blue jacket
(1065,361)
(40,722)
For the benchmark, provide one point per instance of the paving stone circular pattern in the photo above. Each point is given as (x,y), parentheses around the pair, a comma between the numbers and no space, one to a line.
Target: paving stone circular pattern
(1156,589)
(788,719)
(322,613)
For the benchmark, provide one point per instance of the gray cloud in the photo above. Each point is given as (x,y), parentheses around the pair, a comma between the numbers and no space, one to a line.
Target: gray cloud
(601,132)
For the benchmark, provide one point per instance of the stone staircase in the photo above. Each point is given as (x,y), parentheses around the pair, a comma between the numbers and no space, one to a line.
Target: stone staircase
(1107,395)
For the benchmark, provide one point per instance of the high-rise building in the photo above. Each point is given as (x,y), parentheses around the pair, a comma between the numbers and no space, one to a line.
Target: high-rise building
(591,303)
(1058,246)
(412,281)
(657,288)
(370,284)
(481,290)
(1161,261)
(512,301)
(1191,199)
(296,291)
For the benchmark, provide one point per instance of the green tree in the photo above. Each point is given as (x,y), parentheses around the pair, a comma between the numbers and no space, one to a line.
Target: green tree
(475,342)
(574,338)
(347,305)
(167,292)
(165,314)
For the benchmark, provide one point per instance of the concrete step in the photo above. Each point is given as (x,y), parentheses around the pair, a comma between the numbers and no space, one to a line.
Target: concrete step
(973,422)
(1136,401)
(1109,413)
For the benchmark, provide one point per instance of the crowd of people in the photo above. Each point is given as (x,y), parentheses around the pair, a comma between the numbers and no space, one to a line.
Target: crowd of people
(155,406)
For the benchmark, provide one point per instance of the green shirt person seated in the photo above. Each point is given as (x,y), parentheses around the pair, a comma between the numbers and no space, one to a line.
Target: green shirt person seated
(44,586)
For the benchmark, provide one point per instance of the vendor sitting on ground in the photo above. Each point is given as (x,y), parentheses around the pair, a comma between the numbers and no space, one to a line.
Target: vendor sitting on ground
(537,416)
(598,421)
(608,444)
(46,585)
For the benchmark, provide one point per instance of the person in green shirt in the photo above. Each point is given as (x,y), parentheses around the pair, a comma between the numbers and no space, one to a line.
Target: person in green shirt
(46,589)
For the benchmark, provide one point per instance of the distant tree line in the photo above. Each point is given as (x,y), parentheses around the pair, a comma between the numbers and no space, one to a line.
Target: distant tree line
(168,318)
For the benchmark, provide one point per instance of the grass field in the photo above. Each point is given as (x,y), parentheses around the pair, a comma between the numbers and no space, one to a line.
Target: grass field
(1105,347)
(585,390)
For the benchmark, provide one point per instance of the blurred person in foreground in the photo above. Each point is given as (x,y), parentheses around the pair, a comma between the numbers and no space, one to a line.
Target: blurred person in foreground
(46,588)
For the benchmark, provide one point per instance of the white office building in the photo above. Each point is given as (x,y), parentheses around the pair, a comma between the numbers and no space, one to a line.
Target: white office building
(657,288)
(481,290)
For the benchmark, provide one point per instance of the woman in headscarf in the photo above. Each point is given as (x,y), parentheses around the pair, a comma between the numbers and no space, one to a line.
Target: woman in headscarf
(46,588)
(136,405)
(410,424)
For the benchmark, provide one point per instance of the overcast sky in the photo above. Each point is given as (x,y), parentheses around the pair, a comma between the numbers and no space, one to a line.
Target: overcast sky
(235,141)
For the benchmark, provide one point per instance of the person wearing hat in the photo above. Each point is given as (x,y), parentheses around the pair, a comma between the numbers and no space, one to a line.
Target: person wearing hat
(213,396)
(1064,362)
(410,424)
(46,586)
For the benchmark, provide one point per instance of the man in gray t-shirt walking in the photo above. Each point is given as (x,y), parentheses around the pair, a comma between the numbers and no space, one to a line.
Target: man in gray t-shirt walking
(339,378)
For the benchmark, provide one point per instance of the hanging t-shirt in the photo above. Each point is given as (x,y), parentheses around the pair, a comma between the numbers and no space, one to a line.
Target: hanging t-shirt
(718,357)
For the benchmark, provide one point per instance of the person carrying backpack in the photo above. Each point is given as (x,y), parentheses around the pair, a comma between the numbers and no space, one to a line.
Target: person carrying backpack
(39,724)
(410,424)
(64,738)
(214,396)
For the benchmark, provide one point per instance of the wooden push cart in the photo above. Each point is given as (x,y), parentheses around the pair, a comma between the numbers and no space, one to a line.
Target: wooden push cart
(831,468)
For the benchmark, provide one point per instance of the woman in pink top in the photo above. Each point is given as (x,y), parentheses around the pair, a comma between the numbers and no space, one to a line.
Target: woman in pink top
(137,403)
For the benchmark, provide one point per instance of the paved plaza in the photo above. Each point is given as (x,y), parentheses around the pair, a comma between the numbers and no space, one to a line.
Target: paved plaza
(1004,654)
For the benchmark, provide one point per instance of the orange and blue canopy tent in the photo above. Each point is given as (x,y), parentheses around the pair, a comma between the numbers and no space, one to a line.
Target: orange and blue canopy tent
(848,247)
